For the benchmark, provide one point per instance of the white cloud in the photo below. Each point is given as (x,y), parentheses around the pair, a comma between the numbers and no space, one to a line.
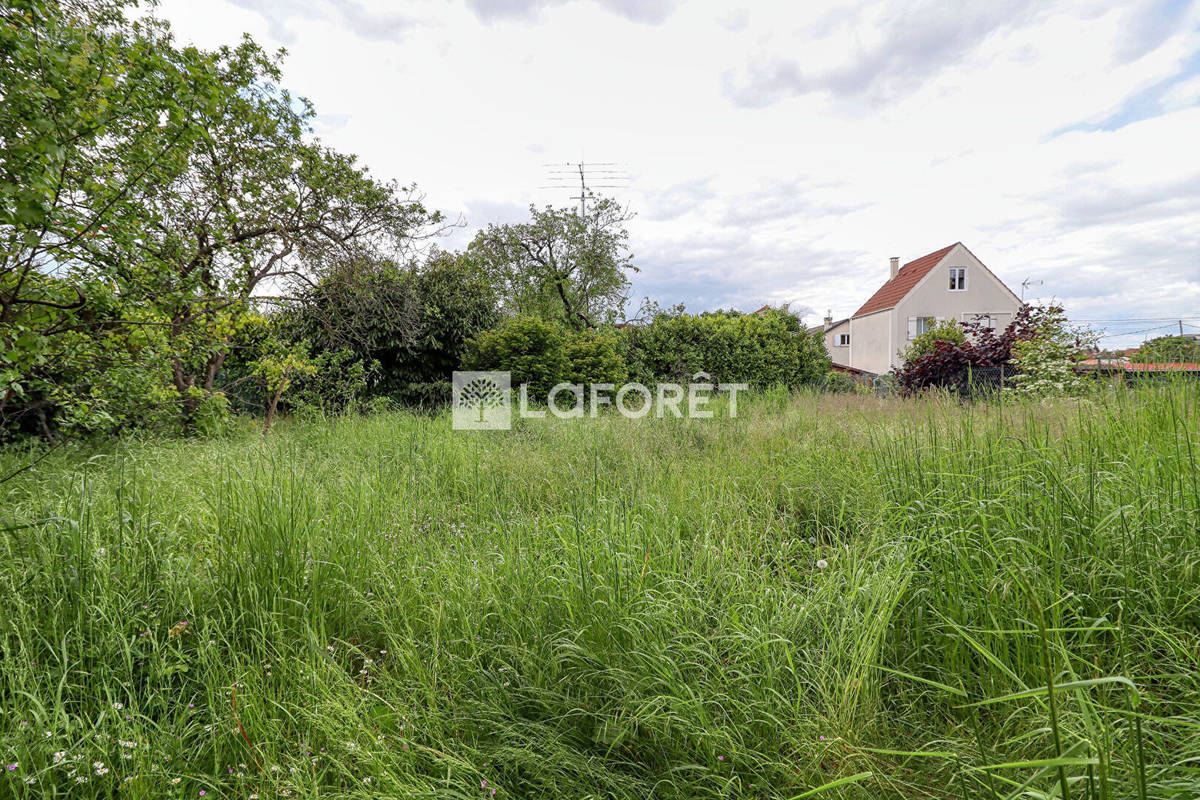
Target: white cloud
(782,152)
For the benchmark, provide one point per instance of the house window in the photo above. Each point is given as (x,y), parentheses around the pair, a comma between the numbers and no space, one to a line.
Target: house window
(842,340)
(958,279)
(919,325)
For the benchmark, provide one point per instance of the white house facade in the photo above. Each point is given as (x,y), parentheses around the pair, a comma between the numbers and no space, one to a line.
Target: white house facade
(950,283)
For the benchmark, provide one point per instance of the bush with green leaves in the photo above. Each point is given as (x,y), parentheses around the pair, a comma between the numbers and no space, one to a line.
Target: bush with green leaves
(338,383)
(948,331)
(98,370)
(595,357)
(530,348)
(1046,360)
(542,353)
(839,383)
(770,348)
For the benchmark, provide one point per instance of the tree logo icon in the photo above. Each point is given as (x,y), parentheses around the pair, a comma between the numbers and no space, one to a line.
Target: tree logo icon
(481,394)
(481,401)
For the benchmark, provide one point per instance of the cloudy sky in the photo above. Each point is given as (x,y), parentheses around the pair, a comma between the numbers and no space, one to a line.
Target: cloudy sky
(780,152)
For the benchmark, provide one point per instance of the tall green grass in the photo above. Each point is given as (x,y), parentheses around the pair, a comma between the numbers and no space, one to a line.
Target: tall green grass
(825,597)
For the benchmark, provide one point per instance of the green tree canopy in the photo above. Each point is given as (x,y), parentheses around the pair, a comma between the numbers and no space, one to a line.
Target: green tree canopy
(149,187)
(99,112)
(563,264)
(408,325)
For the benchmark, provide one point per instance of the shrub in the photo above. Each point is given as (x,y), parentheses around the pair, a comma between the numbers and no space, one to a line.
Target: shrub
(211,416)
(950,364)
(595,357)
(767,349)
(948,330)
(947,366)
(1046,360)
(532,349)
(839,382)
(338,382)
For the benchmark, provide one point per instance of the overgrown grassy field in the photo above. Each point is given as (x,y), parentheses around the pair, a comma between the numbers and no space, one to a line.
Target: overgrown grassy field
(839,596)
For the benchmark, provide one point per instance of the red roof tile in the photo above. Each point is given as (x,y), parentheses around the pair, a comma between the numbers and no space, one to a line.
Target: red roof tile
(1164,366)
(909,276)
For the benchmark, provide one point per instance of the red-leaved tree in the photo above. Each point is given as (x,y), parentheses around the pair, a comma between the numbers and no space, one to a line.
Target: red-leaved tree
(950,364)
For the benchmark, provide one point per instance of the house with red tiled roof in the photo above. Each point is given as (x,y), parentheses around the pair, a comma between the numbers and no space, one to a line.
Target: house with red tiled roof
(1124,365)
(950,283)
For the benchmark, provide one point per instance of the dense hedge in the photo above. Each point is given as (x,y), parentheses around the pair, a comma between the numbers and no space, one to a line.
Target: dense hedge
(764,350)
(770,348)
(541,354)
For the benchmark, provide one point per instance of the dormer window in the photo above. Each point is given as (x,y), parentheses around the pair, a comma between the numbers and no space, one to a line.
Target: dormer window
(958,279)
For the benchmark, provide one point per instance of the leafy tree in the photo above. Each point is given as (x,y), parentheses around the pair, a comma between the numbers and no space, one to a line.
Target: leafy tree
(328,381)
(562,265)
(409,326)
(183,185)
(1046,360)
(1165,349)
(456,303)
(258,207)
(276,368)
(98,111)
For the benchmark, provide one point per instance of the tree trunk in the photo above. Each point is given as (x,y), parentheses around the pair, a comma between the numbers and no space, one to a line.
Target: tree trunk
(44,425)
(273,403)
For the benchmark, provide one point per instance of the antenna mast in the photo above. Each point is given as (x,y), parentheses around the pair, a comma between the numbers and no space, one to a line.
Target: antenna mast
(593,175)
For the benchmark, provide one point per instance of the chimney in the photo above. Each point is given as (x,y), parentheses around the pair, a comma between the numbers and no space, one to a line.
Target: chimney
(895,265)
(828,319)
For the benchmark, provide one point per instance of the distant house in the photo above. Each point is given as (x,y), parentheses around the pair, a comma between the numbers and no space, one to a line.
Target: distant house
(950,283)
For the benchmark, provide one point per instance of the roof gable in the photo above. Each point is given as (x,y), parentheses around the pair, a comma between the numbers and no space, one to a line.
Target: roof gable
(831,327)
(892,292)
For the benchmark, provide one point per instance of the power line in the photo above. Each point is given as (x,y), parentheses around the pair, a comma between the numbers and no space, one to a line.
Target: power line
(1135,333)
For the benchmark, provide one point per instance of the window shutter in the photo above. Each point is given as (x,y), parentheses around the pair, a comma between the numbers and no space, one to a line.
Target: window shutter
(912,328)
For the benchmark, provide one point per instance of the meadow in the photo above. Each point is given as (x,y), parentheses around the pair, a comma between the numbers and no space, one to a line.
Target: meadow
(828,596)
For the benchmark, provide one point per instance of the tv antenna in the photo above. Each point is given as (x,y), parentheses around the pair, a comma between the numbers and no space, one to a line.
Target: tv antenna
(591,175)
(1025,284)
